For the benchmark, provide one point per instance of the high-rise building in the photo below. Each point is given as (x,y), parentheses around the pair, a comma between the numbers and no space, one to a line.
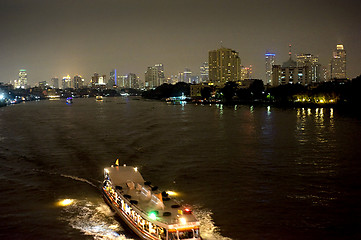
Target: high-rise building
(246,72)
(224,66)
(290,73)
(66,82)
(270,61)
(204,69)
(338,63)
(22,81)
(113,81)
(54,82)
(187,74)
(154,76)
(314,67)
(77,82)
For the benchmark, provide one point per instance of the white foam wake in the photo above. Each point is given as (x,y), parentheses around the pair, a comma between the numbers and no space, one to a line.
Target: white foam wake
(208,229)
(79,179)
(94,220)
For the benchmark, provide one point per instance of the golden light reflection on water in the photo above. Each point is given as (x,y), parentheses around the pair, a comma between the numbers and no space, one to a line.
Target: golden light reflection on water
(65,202)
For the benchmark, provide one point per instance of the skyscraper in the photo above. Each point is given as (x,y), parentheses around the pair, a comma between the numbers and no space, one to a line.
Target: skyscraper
(270,61)
(204,69)
(77,82)
(22,80)
(66,83)
(338,63)
(314,68)
(246,72)
(154,76)
(224,66)
(187,74)
(54,82)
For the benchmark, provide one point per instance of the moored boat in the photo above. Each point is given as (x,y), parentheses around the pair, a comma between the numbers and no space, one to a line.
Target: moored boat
(149,213)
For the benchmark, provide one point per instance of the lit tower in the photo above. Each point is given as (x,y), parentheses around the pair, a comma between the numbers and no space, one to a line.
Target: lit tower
(23,79)
(338,63)
(270,61)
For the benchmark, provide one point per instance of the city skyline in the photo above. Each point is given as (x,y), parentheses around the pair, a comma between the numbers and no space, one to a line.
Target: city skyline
(53,39)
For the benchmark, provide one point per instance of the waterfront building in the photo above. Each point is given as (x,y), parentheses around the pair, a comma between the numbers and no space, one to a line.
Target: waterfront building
(338,63)
(270,61)
(95,79)
(66,82)
(54,82)
(154,76)
(22,81)
(224,66)
(43,84)
(204,69)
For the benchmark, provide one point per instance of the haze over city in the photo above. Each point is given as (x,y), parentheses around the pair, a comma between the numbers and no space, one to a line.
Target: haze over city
(57,38)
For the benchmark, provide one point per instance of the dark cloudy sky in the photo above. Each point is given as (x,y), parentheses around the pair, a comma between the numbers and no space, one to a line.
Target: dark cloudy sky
(55,38)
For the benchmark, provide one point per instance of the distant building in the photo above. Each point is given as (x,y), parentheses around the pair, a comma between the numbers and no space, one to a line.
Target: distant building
(132,81)
(290,73)
(314,74)
(224,66)
(187,74)
(246,72)
(204,69)
(270,61)
(66,82)
(43,84)
(54,82)
(113,81)
(78,82)
(338,63)
(22,81)
(154,76)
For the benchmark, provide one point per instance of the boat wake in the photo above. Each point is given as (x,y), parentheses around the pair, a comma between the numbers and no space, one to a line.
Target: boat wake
(79,179)
(207,227)
(94,220)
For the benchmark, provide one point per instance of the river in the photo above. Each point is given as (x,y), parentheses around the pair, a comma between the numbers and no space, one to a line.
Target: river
(249,172)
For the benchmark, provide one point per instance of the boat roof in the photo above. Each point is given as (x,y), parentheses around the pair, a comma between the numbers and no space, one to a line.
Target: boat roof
(122,174)
(148,198)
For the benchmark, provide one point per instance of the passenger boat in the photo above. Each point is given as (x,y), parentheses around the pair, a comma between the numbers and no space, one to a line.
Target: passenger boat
(149,213)
(99,98)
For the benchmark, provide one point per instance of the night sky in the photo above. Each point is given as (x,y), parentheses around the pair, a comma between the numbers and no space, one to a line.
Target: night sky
(55,38)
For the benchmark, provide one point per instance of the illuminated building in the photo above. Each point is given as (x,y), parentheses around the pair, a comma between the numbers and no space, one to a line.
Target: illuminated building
(113,81)
(246,72)
(338,63)
(204,69)
(54,82)
(22,80)
(314,68)
(224,66)
(270,61)
(66,82)
(187,74)
(290,73)
(154,76)
(77,82)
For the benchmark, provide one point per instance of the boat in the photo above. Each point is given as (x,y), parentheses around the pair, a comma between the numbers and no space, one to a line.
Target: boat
(99,98)
(69,100)
(148,212)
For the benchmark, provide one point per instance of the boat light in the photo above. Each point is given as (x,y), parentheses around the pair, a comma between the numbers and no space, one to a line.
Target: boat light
(183,220)
(152,215)
(106,170)
(65,202)
(124,165)
(171,193)
(187,210)
(136,169)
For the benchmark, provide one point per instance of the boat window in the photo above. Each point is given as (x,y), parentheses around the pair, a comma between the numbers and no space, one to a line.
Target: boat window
(185,234)
(196,233)
(172,236)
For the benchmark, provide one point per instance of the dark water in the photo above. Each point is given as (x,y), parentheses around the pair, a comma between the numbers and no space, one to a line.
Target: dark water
(248,172)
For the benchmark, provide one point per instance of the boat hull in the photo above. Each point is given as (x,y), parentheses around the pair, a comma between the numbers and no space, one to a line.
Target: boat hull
(142,234)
